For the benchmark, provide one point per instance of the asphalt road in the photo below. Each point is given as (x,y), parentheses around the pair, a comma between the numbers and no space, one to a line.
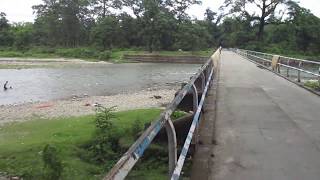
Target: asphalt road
(266,127)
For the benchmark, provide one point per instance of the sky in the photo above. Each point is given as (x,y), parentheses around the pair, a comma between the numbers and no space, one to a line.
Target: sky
(21,11)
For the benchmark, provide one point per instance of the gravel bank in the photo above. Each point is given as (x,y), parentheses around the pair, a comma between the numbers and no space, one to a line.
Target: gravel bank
(78,106)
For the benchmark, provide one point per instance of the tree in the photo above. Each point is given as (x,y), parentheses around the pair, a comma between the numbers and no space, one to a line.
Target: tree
(106,33)
(180,7)
(306,26)
(192,36)
(3,21)
(266,7)
(102,7)
(63,21)
(23,33)
(6,38)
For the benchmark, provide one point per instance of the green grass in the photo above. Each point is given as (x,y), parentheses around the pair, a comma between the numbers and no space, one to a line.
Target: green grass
(21,145)
(90,54)
(313,85)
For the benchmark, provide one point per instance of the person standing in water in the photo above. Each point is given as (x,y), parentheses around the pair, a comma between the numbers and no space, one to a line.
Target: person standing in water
(5,86)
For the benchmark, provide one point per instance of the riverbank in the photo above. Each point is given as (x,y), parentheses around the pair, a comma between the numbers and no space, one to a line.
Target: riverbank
(92,55)
(78,106)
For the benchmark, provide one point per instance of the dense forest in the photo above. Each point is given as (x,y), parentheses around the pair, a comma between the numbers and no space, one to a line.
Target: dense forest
(155,25)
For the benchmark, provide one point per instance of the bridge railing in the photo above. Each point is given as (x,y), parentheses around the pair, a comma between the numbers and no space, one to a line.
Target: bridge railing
(290,67)
(198,85)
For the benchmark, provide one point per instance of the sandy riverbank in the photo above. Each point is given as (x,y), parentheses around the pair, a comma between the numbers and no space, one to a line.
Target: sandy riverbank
(84,105)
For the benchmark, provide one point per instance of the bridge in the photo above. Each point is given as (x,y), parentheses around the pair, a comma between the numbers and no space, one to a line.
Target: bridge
(251,120)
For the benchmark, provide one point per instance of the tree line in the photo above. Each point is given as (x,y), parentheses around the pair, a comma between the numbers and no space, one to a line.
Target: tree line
(164,25)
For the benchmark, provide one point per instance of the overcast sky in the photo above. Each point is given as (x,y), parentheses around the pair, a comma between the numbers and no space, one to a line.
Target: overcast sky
(20,10)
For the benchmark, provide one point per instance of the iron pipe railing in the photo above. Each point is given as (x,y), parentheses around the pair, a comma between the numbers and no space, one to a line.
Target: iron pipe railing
(283,61)
(130,158)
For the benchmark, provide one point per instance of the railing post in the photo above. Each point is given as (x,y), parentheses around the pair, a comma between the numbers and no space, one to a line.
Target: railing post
(195,107)
(195,98)
(299,72)
(172,145)
(319,77)
(288,63)
(279,66)
(203,84)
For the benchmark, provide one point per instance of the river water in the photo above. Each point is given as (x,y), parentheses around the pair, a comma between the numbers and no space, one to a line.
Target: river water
(43,84)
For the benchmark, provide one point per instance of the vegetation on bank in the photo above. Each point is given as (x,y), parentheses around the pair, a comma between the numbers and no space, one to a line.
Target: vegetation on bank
(79,147)
(92,54)
(22,145)
(63,27)
(313,85)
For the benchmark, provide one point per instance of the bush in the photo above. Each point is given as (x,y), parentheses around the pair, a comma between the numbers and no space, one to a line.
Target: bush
(136,127)
(177,114)
(11,54)
(313,84)
(105,145)
(42,50)
(105,55)
(52,164)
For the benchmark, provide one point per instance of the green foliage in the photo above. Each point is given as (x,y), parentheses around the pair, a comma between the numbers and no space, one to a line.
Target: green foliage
(87,29)
(21,144)
(77,53)
(313,84)
(105,145)
(177,114)
(23,35)
(104,118)
(52,164)
(105,55)
(137,127)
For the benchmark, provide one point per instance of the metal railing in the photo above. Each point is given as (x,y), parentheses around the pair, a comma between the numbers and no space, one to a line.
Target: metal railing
(198,84)
(284,65)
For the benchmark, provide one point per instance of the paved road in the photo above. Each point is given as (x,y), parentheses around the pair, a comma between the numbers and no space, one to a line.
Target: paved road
(266,127)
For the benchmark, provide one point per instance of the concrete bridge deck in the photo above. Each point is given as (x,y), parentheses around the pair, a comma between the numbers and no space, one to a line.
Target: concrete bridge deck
(266,127)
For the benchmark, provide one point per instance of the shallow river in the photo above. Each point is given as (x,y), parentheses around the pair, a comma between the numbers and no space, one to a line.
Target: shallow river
(47,84)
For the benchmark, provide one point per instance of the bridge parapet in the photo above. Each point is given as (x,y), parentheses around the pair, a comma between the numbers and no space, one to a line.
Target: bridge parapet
(198,86)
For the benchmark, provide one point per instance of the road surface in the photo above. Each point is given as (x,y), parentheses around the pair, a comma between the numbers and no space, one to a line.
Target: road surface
(266,128)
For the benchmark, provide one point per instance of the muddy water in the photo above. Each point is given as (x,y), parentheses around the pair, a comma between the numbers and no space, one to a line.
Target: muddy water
(31,85)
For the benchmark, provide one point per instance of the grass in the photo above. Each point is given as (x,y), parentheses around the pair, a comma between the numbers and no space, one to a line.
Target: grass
(313,85)
(90,54)
(21,146)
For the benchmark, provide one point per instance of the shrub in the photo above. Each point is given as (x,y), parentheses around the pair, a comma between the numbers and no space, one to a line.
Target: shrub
(136,127)
(105,55)
(313,84)
(177,114)
(42,50)
(52,164)
(105,145)
(11,54)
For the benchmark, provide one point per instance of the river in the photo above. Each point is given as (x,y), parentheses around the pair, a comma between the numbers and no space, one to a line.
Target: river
(43,84)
